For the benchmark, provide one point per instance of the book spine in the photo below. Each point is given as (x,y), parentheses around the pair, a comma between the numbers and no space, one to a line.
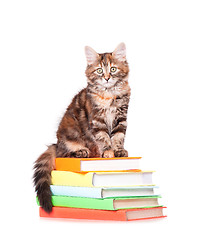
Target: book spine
(79,213)
(76,191)
(77,202)
(68,164)
(65,178)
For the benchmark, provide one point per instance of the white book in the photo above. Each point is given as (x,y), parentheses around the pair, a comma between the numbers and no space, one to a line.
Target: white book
(122,179)
(110,164)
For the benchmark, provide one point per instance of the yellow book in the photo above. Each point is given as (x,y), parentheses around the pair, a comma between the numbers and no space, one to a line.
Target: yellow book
(102,179)
(65,178)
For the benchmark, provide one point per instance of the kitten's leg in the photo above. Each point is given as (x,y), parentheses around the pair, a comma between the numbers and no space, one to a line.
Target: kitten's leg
(77,149)
(92,146)
(72,148)
(118,136)
(71,141)
(102,137)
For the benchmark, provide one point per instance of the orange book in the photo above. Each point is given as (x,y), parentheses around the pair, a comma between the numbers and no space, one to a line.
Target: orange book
(91,214)
(97,164)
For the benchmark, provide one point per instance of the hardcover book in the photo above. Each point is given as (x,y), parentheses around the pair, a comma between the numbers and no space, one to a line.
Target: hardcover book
(97,164)
(105,204)
(101,179)
(105,192)
(119,215)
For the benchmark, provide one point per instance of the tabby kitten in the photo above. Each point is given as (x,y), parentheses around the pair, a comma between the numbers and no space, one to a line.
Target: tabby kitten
(94,124)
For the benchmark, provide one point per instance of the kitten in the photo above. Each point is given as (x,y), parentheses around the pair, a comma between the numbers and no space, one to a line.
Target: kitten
(94,124)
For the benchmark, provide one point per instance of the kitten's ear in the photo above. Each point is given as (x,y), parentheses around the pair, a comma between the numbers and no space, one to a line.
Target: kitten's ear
(120,52)
(91,55)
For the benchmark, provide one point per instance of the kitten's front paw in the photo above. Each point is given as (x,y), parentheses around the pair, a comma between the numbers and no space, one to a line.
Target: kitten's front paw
(121,153)
(82,153)
(108,154)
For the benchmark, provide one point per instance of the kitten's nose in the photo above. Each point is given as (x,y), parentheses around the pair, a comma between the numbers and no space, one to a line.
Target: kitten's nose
(107,78)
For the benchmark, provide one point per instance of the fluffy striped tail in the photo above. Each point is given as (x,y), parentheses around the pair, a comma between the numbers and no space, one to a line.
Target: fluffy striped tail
(42,177)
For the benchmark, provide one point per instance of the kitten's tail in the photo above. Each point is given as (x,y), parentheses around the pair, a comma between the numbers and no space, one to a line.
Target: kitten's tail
(42,177)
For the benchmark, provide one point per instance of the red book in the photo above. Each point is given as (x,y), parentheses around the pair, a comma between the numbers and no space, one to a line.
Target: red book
(119,215)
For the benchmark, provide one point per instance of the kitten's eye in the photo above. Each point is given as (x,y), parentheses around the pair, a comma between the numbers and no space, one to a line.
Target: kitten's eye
(113,69)
(100,70)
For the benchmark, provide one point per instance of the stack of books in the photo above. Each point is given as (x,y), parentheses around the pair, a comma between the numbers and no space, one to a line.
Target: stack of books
(103,189)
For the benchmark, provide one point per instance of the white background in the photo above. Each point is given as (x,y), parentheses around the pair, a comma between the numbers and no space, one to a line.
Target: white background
(42,66)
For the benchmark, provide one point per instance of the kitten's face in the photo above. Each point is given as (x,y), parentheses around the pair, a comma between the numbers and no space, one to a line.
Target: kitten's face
(108,70)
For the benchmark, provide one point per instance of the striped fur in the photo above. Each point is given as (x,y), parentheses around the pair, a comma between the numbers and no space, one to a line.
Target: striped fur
(94,124)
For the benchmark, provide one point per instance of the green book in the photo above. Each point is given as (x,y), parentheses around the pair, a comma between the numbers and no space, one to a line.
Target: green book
(105,204)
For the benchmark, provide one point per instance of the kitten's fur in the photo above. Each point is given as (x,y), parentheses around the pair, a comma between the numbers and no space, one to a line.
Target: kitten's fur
(94,124)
